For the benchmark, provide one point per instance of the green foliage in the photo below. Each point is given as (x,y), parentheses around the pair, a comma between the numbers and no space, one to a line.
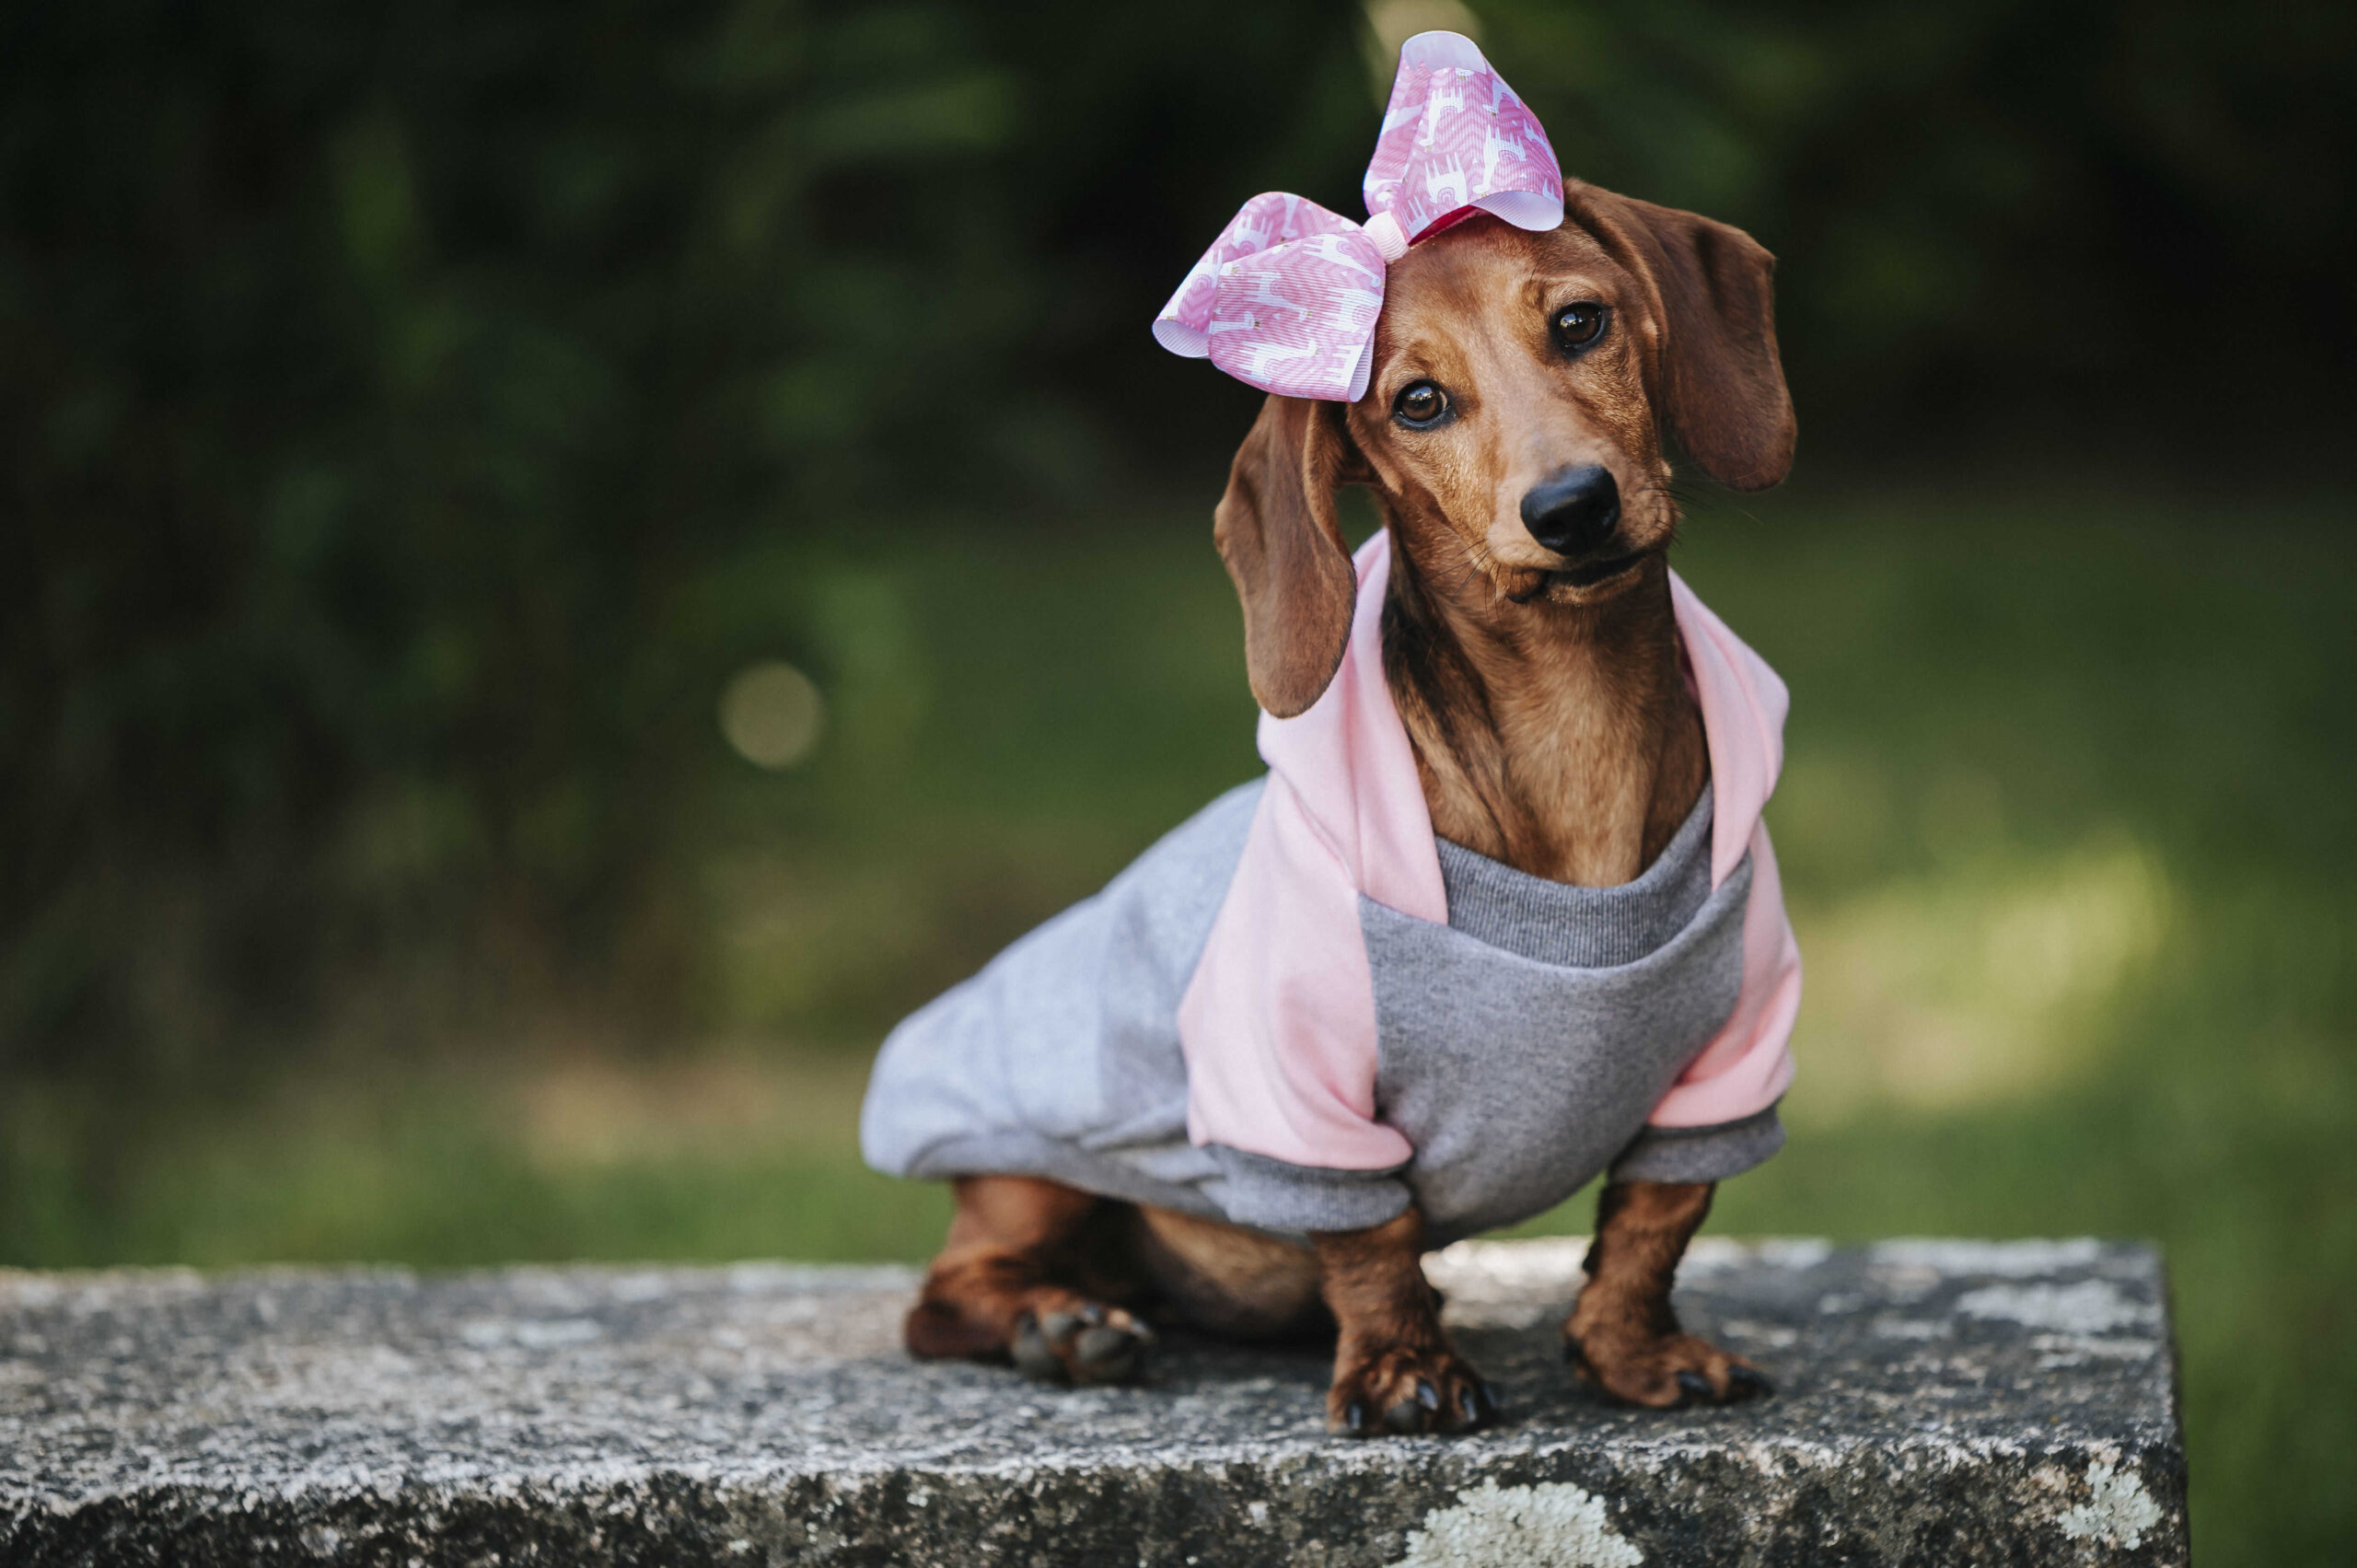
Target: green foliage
(397,400)
(388,388)
(1991,214)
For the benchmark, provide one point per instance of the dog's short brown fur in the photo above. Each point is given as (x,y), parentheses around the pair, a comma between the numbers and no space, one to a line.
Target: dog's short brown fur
(1553,730)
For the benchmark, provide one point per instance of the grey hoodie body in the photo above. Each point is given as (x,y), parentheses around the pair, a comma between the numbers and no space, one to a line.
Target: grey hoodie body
(1521,1046)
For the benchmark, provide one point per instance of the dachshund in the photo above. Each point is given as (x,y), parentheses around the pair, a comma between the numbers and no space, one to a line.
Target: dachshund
(1524,389)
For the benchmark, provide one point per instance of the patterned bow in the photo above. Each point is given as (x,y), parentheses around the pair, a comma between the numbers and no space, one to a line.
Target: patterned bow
(1286,299)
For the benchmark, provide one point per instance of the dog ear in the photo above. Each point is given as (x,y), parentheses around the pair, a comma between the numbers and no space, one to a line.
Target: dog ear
(1722,382)
(1277,531)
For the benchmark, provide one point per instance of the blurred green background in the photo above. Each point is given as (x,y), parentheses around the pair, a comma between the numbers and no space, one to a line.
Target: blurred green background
(563,565)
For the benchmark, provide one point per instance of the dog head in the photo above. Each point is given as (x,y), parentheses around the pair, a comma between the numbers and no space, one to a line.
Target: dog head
(1512,426)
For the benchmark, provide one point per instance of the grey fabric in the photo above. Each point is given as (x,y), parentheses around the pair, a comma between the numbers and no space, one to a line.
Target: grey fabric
(1522,1045)
(1700,1154)
(1060,1058)
(1515,1081)
(1581,927)
(1297,1199)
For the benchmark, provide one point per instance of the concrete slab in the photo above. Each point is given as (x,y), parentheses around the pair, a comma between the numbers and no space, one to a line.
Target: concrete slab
(1940,1402)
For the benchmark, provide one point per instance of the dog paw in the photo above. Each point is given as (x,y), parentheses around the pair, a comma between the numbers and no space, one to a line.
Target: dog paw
(1405,1392)
(1663,1371)
(1081,1342)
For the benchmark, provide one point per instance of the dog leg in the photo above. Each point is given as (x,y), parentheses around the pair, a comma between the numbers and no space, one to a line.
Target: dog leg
(1393,1368)
(1003,1287)
(1622,1335)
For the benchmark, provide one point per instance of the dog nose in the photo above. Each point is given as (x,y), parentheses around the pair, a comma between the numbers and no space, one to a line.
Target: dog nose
(1573,510)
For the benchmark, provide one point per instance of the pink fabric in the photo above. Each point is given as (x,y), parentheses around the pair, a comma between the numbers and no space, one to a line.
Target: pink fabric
(1744,703)
(1456,137)
(1278,1023)
(1748,1063)
(1286,298)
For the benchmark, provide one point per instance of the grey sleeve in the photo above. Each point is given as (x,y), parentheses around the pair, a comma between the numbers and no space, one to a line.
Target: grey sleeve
(1274,1195)
(1700,1154)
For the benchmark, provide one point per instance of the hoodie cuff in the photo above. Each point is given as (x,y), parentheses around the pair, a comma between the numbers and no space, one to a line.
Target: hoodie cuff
(1700,1154)
(1275,1194)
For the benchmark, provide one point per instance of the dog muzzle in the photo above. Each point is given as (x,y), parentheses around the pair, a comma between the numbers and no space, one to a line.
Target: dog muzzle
(1286,300)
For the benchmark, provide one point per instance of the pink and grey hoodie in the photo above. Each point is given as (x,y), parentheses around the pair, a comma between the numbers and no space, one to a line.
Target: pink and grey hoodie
(1301,1010)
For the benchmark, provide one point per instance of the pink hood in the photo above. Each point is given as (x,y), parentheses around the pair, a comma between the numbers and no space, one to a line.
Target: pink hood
(1278,1024)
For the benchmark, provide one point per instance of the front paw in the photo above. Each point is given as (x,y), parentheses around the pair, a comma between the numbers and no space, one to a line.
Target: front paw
(1065,1338)
(1658,1370)
(1403,1390)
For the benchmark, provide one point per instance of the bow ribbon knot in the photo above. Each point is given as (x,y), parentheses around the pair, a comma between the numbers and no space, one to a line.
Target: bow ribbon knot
(1286,298)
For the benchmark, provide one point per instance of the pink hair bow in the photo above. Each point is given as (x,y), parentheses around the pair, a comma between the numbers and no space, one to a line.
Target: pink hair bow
(1286,299)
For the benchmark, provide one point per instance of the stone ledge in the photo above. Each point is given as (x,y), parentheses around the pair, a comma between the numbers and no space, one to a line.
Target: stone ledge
(1941,1403)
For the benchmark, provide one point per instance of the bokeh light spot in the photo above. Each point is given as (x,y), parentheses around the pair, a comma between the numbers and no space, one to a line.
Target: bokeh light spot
(771,714)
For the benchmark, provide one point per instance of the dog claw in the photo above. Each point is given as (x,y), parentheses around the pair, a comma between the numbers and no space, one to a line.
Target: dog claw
(1078,1345)
(1406,1389)
(1096,1344)
(1034,1357)
(1743,1383)
(1490,1403)
(1695,1384)
(1104,1353)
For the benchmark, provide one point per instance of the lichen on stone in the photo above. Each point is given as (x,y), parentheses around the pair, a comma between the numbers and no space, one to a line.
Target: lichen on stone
(1552,1525)
(2028,1258)
(2089,1307)
(2118,1512)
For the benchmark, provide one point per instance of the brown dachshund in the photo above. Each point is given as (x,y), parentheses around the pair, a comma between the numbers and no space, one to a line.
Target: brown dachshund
(1513,434)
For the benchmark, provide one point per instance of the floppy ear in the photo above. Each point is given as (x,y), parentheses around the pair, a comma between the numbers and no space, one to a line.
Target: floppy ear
(1722,383)
(1277,531)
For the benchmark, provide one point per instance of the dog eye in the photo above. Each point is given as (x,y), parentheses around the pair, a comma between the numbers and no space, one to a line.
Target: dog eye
(1578,327)
(1420,405)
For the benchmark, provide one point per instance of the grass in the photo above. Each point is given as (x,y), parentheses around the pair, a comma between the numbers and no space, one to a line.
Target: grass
(2066,829)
